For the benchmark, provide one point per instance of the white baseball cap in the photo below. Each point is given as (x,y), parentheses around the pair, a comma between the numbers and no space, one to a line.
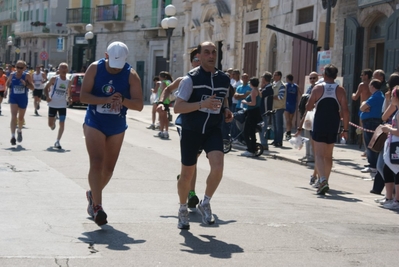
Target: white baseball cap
(117,55)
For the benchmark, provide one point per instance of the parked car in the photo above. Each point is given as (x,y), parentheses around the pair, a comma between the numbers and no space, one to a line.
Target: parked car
(77,79)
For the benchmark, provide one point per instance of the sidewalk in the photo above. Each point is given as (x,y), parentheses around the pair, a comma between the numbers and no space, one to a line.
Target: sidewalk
(347,158)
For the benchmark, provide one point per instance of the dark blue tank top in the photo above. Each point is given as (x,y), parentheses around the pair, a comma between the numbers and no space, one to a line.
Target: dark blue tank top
(106,84)
(17,89)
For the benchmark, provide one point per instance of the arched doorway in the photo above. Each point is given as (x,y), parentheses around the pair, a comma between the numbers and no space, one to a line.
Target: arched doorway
(376,44)
(273,54)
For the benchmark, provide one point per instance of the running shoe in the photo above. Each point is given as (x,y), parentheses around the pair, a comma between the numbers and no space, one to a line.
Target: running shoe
(383,201)
(90,209)
(0,112)
(183,220)
(316,184)
(100,217)
(57,145)
(247,154)
(13,141)
(152,127)
(165,135)
(392,205)
(206,212)
(19,137)
(323,188)
(287,137)
(192,200)
(36,113)
(159,134)
(312,180)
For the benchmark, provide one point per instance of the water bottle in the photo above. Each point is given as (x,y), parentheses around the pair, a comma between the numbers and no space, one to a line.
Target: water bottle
(343,140)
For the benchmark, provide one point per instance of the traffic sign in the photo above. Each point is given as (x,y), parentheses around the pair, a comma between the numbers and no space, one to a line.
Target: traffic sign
(43,55)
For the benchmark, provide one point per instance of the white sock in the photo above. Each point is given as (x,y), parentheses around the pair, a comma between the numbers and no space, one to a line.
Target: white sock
(183,207)
(206,200)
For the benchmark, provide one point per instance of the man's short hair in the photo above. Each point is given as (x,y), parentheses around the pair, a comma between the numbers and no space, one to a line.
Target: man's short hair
(199,47)
(331,71)
(393,80)
(156,78)
(376,84)
(368,72)
(381,73)
(278,73)
(236,71)
(290,77)
(193,54)
(267,76)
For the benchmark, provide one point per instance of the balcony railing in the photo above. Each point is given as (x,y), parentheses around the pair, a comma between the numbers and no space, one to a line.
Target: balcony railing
(79,15)
(111,13)
(8,16)
(50,28)
(23,27)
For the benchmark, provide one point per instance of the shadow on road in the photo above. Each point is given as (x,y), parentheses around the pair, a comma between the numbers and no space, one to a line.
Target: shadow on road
(195,217)
(52,149)
(212,247)
(18,148)
(334,195)
(107,235)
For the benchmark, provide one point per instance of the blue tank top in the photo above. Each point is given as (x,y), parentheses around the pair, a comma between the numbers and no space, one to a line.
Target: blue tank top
(292,93)
(105,85)
(17,89)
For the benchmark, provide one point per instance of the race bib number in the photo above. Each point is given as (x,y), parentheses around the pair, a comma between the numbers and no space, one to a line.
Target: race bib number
(38,84)
(18,89)
(106,109)
(60,93)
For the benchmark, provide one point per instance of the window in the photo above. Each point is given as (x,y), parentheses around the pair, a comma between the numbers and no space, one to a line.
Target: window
(158,11)
(252,26)
(305,15)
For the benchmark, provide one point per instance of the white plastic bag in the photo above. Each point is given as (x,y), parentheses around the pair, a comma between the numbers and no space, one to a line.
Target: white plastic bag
(308,122)
(298,141)
(153,97)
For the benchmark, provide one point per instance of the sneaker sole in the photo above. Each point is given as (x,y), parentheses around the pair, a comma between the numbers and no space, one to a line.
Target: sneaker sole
(183,226)
(203,216)
(101,218)
(323,190)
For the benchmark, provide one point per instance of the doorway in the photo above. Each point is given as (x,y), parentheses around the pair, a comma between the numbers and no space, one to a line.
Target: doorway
(376,44)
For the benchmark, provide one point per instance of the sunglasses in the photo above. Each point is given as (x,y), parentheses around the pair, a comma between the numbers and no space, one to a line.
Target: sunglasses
(20,68)
(312,78)
(195,60)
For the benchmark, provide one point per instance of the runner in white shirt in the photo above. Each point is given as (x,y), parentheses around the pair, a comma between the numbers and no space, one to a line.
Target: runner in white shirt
(58,93)
(39,78)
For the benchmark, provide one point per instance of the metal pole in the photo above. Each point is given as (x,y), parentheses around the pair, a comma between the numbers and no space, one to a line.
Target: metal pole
(327,31)
(169,32)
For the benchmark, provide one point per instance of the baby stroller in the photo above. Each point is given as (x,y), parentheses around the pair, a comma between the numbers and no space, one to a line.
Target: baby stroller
(239,120)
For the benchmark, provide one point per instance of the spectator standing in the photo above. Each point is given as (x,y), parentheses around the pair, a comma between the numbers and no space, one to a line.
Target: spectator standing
(279,104)
(371,118)
(3,91)
(154,96)
(291,104)
(235,82)
(266,105)
(252,101)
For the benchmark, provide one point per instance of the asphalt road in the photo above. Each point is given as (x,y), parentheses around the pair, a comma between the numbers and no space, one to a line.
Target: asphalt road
(267,214)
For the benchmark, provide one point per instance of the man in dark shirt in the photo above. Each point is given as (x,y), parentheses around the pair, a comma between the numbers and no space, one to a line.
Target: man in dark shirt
(266,105)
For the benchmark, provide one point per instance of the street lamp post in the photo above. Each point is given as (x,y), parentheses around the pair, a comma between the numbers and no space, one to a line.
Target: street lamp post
(9,45)
(89,36)
(169,24)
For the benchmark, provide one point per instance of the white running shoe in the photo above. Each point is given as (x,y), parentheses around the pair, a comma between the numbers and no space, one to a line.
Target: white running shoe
(183,220)
(206,212)
(391,204)
(247,154)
